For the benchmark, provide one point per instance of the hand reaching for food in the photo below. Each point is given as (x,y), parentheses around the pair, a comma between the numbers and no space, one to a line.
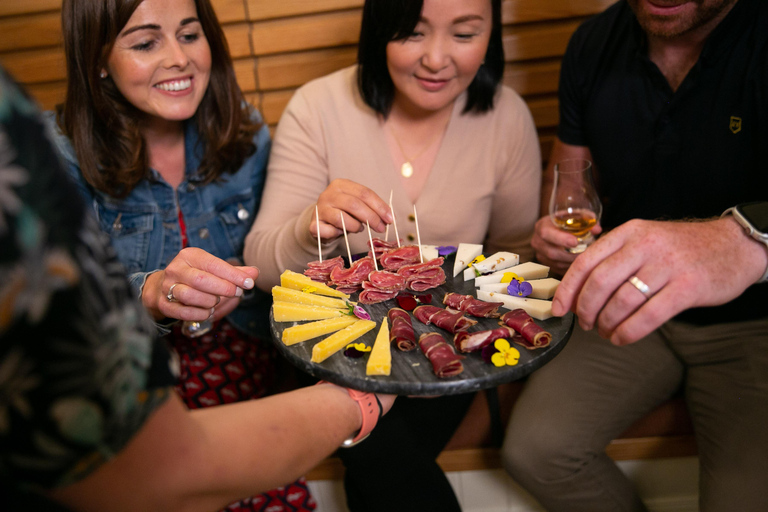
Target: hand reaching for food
(196,284)
(358,203)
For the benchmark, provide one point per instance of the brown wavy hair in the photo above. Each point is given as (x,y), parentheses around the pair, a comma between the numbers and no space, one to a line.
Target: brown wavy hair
(104,127)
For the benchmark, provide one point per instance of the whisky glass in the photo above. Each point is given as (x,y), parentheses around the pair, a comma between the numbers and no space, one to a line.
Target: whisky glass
(574,205)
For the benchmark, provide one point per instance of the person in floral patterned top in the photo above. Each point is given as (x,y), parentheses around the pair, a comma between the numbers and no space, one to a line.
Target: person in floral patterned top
(88,419)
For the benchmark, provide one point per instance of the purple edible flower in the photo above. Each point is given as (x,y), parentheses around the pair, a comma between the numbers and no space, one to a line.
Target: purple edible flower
(519,289)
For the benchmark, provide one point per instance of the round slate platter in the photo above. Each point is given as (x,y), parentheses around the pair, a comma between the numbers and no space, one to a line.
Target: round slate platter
(411,371)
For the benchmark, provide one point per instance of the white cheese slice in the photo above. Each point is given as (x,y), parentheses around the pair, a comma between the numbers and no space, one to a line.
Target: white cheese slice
(469,274)
(537,308)
(527,271)
(429,252)
(495,287)
(544,288)
(498,261)
(464,256)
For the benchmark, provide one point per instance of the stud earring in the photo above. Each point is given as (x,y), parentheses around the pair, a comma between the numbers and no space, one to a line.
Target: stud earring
(103,73)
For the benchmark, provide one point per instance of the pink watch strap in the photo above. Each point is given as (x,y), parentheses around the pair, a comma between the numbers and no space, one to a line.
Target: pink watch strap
(370,409)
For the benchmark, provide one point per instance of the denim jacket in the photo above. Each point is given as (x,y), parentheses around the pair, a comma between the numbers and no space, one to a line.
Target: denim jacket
(144,226)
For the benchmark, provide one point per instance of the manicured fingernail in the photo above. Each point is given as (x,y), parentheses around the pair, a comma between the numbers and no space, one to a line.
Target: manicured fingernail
(248,283)
(238,292)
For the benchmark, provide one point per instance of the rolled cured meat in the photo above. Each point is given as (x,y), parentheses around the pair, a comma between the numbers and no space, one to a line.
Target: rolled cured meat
(445,361)
(472,306)
(320,271)
(401,331)
(373,295)
(423,276)
(381,246)
(450,321)
(533,336)
(387,281)
(352,276)
(396,258)
(471,341)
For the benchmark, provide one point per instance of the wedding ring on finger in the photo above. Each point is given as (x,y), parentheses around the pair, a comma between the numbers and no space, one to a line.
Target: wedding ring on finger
(170,296)
(641,286)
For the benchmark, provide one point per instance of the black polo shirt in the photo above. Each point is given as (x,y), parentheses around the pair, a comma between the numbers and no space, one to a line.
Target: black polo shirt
(660,154)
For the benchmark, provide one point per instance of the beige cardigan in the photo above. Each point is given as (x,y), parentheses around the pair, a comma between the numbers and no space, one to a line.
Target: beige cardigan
(483,188)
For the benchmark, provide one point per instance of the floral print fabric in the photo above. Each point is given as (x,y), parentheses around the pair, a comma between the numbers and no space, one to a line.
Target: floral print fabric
(76,349)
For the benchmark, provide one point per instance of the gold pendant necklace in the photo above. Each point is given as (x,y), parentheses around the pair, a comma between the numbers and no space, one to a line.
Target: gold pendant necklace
(406,170)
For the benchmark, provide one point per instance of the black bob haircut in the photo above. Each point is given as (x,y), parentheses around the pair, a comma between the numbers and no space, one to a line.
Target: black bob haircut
(393,20)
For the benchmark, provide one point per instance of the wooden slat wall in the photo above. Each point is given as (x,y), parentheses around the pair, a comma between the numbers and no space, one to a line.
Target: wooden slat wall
(278,45)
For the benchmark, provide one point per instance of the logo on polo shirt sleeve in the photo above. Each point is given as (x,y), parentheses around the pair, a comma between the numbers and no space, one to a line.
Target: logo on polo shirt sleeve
(735,124)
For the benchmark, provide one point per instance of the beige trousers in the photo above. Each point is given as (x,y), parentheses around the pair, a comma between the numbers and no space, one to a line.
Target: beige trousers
(592,391)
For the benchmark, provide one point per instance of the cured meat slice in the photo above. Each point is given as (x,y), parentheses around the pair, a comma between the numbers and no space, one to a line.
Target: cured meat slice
(321,270)
(423,276)
(472,306)
(450,321)
(401,333)
(531,332)
(445,361)
(471,341)
(381,246)
(387,281)
(373,295)
(397,258)
(353,275)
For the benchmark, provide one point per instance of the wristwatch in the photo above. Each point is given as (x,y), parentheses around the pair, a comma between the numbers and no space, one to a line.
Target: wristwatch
(370,408)
(753,217)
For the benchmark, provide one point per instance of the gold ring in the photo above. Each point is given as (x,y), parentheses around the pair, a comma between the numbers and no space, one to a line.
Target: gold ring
(640,285)
(170,296)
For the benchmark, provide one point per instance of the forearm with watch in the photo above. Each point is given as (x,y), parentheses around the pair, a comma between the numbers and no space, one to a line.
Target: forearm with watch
(753,217)
(371,411)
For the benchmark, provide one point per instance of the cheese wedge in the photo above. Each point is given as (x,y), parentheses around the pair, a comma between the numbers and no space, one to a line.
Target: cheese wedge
(542,288)
(498,261)
(304,332)
(293,312)
(464,256)
(380,359)
(338,340)
(290,295)
(537,308)
(469,274)
(290,279)
(527,271)
(429,252)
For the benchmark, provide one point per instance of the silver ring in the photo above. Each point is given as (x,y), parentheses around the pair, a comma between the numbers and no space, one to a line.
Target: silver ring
(170,296)
(640,285)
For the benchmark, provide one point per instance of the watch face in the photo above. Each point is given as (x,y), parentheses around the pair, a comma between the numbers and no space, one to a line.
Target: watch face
(756,214)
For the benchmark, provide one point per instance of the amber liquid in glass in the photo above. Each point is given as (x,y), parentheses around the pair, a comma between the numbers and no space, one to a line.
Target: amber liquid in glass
(578,222)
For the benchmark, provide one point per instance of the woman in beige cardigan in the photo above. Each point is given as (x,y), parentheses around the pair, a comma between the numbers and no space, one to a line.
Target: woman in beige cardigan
(422,115)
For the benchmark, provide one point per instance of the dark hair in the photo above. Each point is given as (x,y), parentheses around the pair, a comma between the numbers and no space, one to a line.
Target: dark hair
(104,127)
(392,20)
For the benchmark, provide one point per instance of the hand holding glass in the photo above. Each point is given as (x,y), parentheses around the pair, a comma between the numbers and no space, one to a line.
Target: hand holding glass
(575,206)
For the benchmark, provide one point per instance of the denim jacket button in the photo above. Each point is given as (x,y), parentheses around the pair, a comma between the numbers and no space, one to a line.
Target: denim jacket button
(243,214)
(204,233)
(190,187)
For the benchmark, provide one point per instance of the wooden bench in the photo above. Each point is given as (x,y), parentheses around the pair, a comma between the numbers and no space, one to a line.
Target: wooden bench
(278,45)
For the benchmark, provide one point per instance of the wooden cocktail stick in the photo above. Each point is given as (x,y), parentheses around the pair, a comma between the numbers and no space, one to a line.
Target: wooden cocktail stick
(418,236)
(394,221)
(373,251)
(319,251)
(346,240)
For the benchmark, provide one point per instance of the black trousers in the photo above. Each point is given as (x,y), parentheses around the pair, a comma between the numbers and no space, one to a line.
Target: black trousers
(394,470)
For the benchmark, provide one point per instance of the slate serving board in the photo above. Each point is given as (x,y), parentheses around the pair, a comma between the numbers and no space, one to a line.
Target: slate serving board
(411,371)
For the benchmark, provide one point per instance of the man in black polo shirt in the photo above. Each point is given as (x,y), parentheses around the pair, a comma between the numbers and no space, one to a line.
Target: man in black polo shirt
(669,99)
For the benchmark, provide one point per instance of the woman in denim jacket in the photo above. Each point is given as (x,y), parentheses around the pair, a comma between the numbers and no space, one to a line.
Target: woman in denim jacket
(156,134)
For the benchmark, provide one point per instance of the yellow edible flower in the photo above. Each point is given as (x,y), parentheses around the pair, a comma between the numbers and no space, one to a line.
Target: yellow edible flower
(309,289)
(509,276)
(506,354)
